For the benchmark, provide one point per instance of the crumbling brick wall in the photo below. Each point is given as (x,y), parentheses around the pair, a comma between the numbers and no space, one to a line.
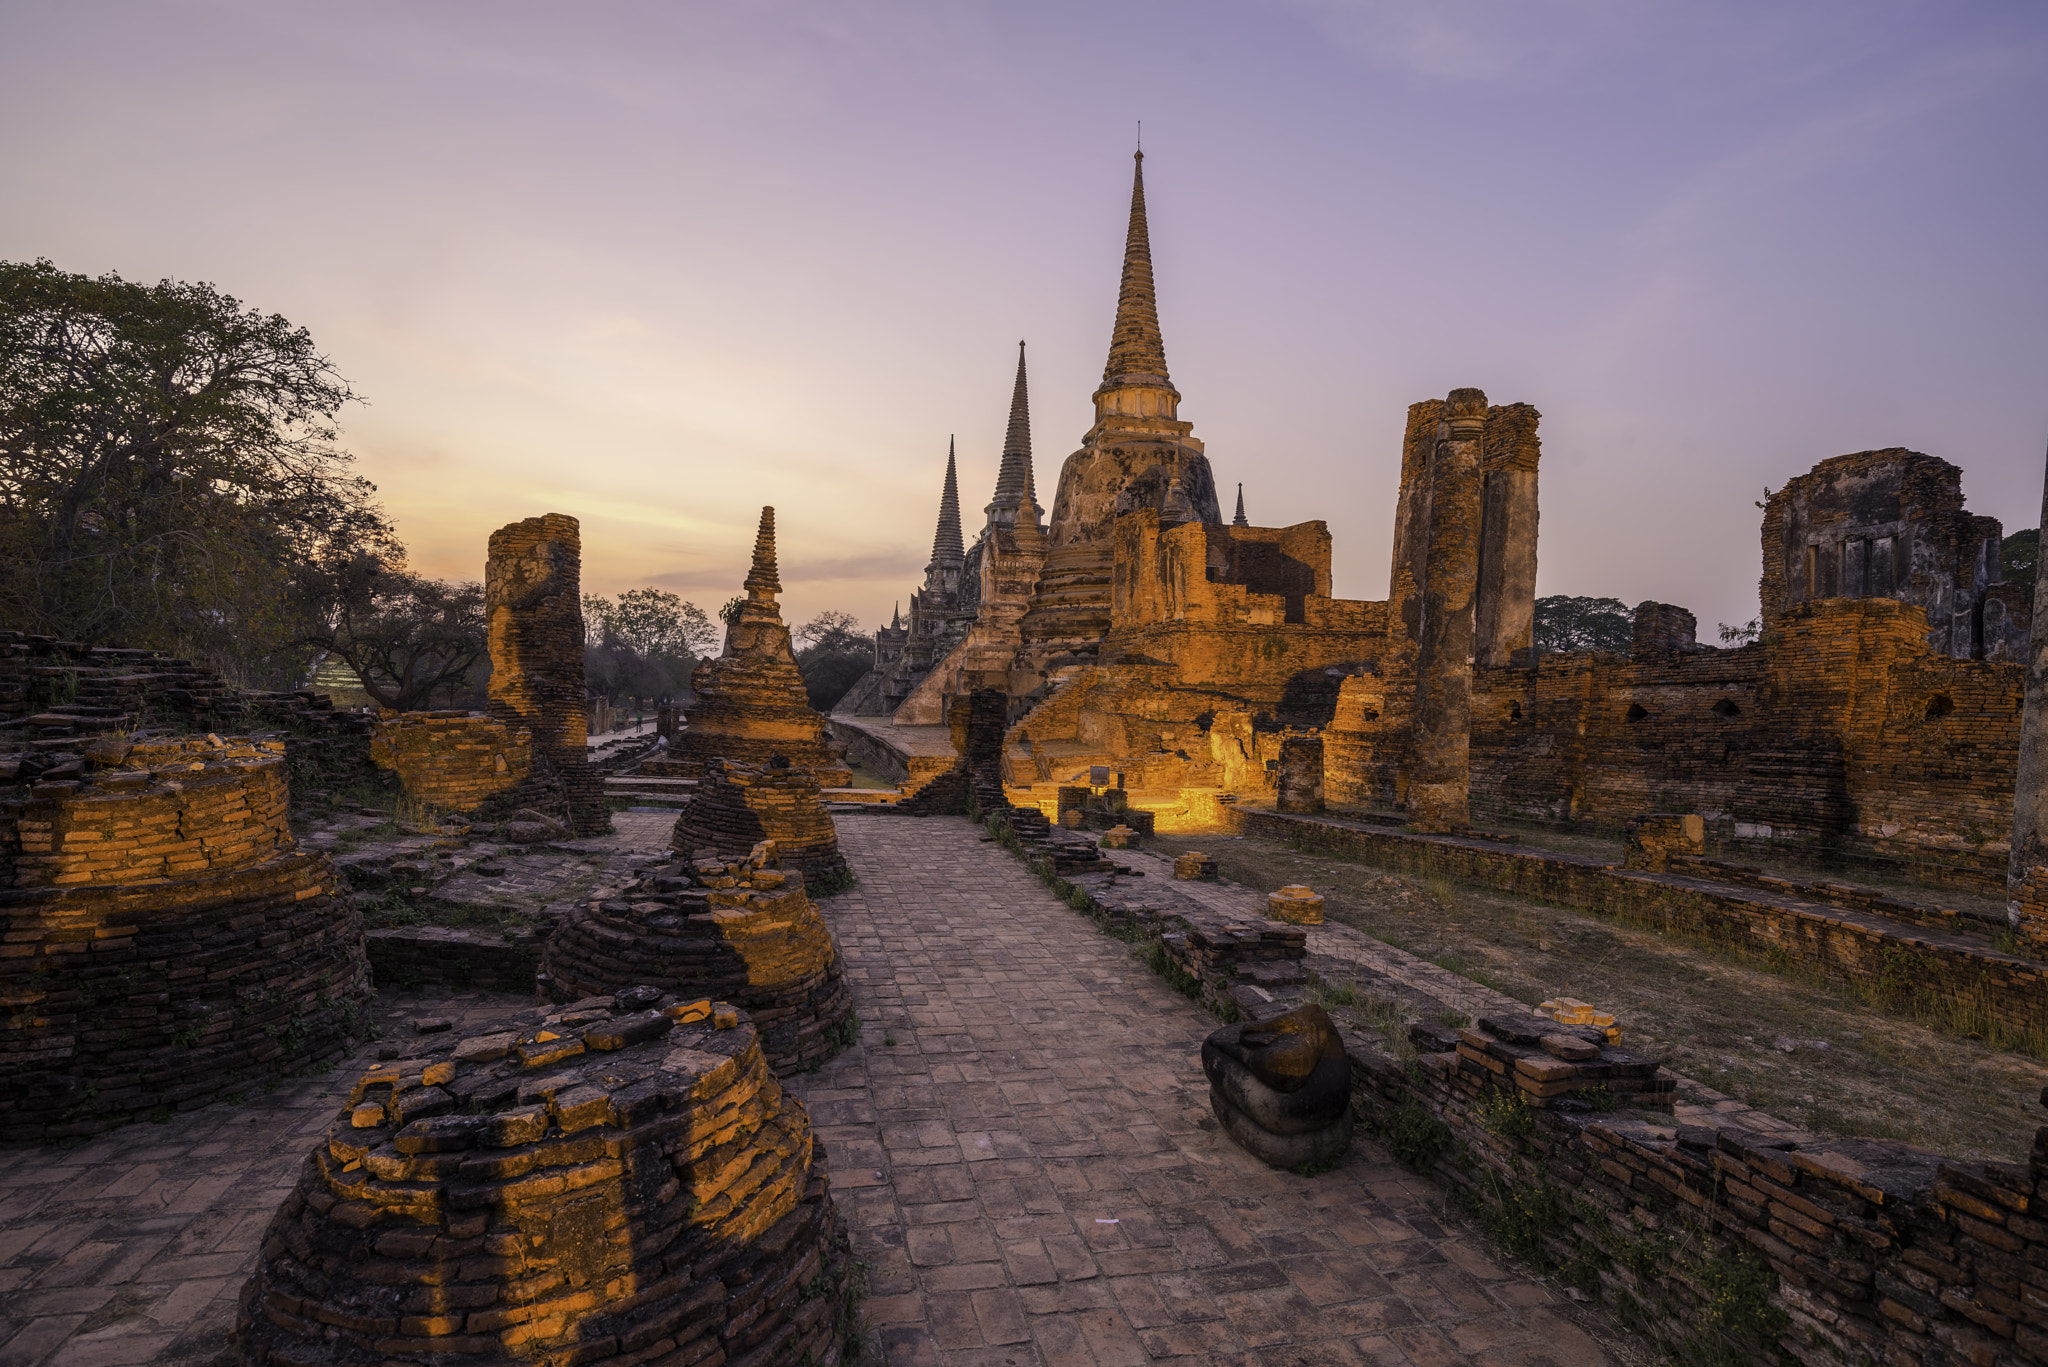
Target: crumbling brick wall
(1841,729)
(452,761)
(55,696)
(1724,1244)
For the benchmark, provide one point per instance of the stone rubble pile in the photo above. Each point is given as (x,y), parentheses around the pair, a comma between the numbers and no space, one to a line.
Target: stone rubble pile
(1545,1062)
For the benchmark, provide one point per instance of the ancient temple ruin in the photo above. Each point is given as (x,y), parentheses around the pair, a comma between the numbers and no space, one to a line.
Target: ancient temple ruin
(751,703)
(941,611)
(737,806)
(1138,637)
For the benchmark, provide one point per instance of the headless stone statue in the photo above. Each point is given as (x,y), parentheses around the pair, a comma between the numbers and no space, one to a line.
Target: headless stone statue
(1282,1087)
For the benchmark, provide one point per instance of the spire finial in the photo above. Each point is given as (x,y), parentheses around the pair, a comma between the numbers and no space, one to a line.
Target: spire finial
(896,616)
(762,581)
(947,547)
(1137,355)
(1239,521)
(1015,472)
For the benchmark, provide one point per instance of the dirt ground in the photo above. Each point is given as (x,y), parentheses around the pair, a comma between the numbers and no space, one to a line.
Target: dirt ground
(1807,1053)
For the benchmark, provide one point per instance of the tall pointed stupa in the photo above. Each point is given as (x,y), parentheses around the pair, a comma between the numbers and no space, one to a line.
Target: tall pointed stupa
(1239,520)
(1014,473)
(947,547)
(1138,454)
(751,703)
(996,585)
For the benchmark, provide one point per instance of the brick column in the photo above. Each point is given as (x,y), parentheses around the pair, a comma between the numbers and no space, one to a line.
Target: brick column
(533,598)
(1439,794)
(1505,610)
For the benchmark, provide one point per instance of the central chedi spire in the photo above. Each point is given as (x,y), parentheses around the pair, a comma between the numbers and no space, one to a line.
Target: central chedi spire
(751,703)
(1137,353)
(1139,454)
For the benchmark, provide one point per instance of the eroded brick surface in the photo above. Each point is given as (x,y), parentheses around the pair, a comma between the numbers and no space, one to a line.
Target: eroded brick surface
(1033,1171)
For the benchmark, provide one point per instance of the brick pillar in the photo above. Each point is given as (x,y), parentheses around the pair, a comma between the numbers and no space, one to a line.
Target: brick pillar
(1504,615)
(1411,523)
(1662,629)
(1439,795)
(533,599)
(1301,775)
(2026,876)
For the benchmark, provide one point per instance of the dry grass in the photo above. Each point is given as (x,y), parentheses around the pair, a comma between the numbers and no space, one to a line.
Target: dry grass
(1708,1013)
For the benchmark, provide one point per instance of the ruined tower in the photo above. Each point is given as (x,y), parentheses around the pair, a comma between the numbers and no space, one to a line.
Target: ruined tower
(534,606)
(1505,620)
(1438,793)
(940,612)
(1138,454)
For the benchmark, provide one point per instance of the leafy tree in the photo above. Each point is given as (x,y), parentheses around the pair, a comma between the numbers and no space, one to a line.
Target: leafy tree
(833,632)
(168,458)
(730,612)
(834,655)
(654,622)
(1565,623)
(1747,633)
(615,670)
(404,635)
(2018,554)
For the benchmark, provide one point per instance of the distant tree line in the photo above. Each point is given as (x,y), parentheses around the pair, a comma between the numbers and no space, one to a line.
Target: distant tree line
(171,477)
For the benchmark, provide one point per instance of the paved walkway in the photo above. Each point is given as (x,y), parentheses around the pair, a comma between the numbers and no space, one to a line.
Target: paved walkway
(1022,1142)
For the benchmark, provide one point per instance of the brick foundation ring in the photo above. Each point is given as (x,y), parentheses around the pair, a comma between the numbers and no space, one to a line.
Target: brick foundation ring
(626,1184)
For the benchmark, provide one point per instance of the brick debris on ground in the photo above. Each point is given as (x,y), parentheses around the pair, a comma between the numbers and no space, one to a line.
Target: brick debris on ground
(133,1247)
(1032,1170)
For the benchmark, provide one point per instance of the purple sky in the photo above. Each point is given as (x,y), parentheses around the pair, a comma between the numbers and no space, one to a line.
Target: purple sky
(656,265)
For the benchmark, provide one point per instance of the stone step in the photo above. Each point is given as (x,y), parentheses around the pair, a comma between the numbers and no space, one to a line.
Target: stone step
(639,783)
(674,802)
(861,796)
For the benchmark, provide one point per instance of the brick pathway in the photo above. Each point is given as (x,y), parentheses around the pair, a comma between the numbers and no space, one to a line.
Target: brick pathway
(133,1247)
(1032,1170)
